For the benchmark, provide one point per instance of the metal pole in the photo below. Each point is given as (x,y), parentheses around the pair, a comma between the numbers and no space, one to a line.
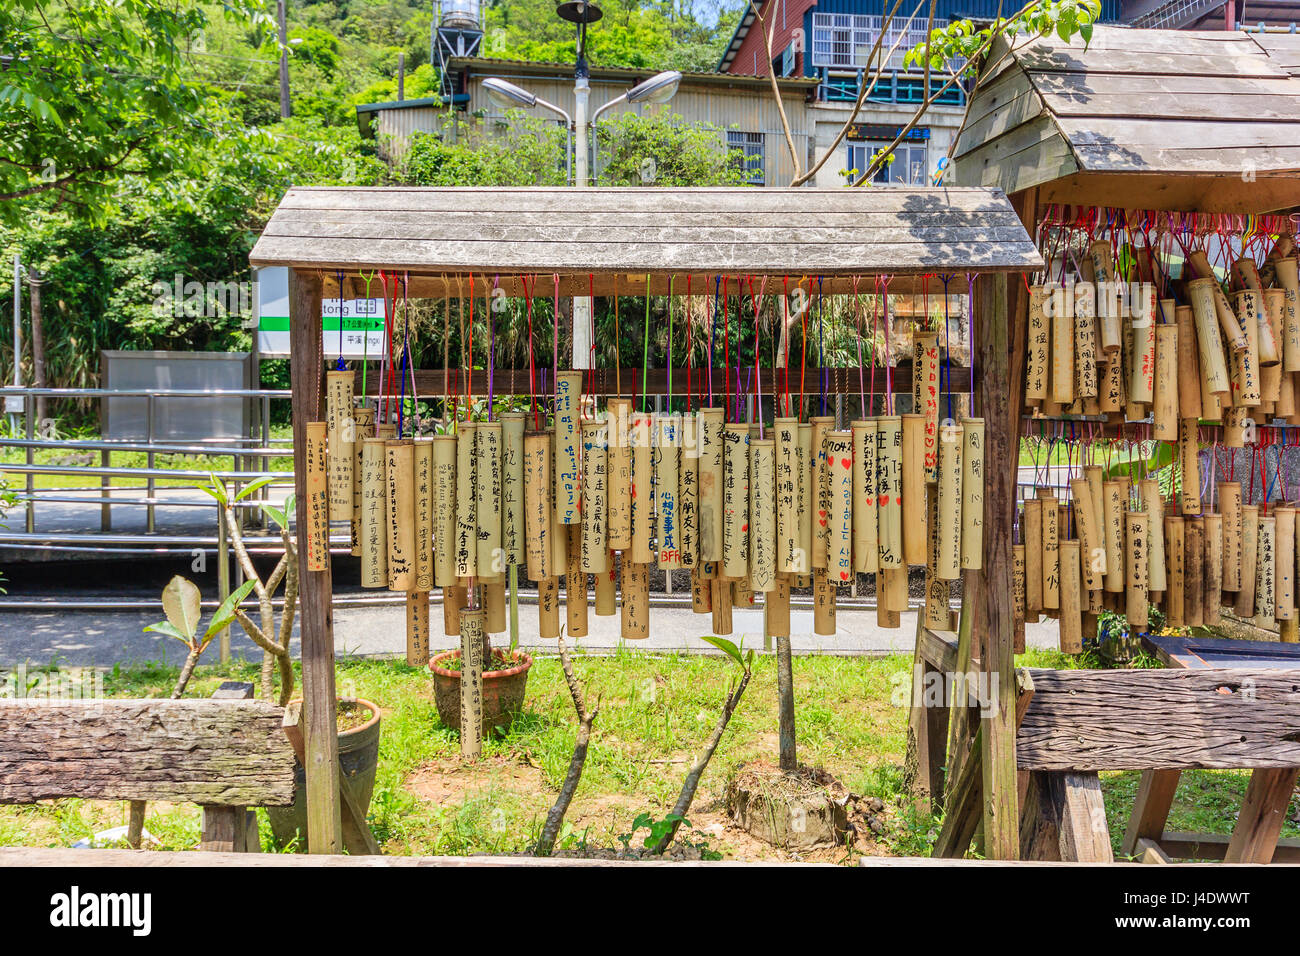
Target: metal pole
(285,109)
(106,488)
(581,304)
(29,412)
(149,460)
(223,582)
(14,408)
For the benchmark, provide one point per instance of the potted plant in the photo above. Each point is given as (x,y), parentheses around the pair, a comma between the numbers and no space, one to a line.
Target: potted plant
(505,679)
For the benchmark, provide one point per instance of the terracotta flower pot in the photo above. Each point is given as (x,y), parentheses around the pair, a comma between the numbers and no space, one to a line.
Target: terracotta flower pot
(503,692)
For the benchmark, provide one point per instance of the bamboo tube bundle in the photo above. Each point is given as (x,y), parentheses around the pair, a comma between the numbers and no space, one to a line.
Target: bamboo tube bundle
(889,491)
(1017,571)
(1114,502)
(1194,571)
(636,602)
(537,506)
(925,403)
(821,424)
(594,557)
(807,501)
(374,513)
(823,602)
(1189,365)
(1284,574)
(424,513)
(1039,337)
(914,477)
(642,490)
(317,533)
(1175,616)
(1213,568)
(444,510)
(1155,508)
(788,476)
(1214,372)
(1230,508)
(607,588)
(1087,523)
(762,515)
(1265,580)
(400,476)
(667,479)
(417,628)
(340,435)
(1200,263)
(1085,347)
(1136,527)
(568,494)
(364,427)
(1141,384)
(839,468)
(950,502)
(1051,544)
(466,541)
(972,493)
(575,583)
(618,468)
(688,499)
(494,606)
(1101,255)
(513,532)
(1244,606)
(1031,533)
(866,546)
(1164,409)
(776,608)
(1189,456)
(711,469)
(937,590)
(548,607)
(1071,599)
(487,508)
(1286,273)
(735,501)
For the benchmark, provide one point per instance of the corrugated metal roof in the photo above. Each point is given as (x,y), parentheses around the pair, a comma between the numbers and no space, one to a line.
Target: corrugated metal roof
(491,65)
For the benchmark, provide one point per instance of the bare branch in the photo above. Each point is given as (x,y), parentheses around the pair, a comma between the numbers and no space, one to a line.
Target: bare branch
(555,819)
(767,33)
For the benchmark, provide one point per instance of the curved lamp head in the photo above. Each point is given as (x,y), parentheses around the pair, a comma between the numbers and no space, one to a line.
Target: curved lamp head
(660,88)
(506,95)
(579,11)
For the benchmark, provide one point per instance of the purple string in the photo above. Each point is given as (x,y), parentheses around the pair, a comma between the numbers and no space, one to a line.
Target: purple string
(341,365)
(491,346)
(713,327)
(970,311)
(821,311)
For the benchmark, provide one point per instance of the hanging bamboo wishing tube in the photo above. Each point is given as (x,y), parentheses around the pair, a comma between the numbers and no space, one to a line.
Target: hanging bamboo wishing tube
(1194,571)
(594,554)
(400,475)
(950,502)
(417,628)
(735,501)
(642,490)
(1031,533)
(619,471)
(1189,455)
(1017,572)
(487,509)
(1164,409)
(1214,371)
(317,535)
(1244,606)
(1149,488)
(972,493)
(1230,508)
(1087,525)
(1141,383)
(839,468)
(568,399)
(1063,374)
(1213,569)
(866,554)
(341,438)
(1051,545)
(374,513)
(807,502)
(667,458)
(576,594)
(1284,544)
(364,419)
(711,469)
(776,608)
(1287,278)
(494,606)
(688,492)
(1136,526)
(785,433)
(914,477)
(889,491)
(1200,264)
(1253,316)
(454,598)
(1085,347)
(1189,364)
(762,515)
(548,606)
(606,601)
(1235,420)
(1102,257)
(1265,568)
(537,505)
(937,590)
(821,424)
(1111,398)
(444,510)
(1071,600)
(823,602)
(1114,504)
(925,403)
(720,603)
(1175,583)
(636,601)
(424,512)
(1245,371)
(466,542)
(1039,340)
(701,593)
(513,533)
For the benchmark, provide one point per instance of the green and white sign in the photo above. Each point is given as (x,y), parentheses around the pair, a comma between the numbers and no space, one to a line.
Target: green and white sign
(352,328)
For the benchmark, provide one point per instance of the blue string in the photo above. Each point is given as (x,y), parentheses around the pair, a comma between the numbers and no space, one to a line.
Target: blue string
(947,335)
(401,405)
(340,366)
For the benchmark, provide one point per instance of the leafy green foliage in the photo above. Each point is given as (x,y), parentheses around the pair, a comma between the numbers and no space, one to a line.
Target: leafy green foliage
(522,151)
(664,150)
(960,40)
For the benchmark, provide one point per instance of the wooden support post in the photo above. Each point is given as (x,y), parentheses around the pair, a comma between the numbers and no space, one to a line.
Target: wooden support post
(324,823)
(1065,818)
(1001,362)
(223,829)
(1263,812)
(1151,808)
(927,730)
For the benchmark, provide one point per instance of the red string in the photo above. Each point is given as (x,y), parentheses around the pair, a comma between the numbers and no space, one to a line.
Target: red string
(690,361)
(469,372)
(726,354)
(532,361)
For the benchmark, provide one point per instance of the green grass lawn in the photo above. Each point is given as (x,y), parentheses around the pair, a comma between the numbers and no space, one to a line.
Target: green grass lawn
(655,712)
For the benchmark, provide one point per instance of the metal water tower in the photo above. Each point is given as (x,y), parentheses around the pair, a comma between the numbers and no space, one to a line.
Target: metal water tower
(458,32)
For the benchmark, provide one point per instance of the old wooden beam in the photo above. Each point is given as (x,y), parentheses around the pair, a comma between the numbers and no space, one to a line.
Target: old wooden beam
(1214,846)
(315,588)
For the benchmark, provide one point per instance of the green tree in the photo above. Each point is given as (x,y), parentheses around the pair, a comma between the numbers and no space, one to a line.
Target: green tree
(664,150)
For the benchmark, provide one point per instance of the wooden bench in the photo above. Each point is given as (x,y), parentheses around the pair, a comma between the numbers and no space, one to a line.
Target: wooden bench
(225,755)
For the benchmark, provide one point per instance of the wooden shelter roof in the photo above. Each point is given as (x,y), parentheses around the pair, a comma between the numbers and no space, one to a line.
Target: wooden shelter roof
(598,239)
(1146,119)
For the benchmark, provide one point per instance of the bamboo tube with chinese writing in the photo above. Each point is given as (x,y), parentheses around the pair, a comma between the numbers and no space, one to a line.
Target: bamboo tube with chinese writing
(776,608)
(444,510)
(1063,374)
(720,600)
(453,599)
(642,490)
(866,546)
(1101,255)
(972,493)
(1164,409)
(1114,504)
(1051,541)
(1232,333)
(807,501)
(1287,278)
(1141,383)
(1039,341)
(487,508)
(1175,585)
(1031,534)
(735,501)
(400,475)
(913,463)
(1189,364)
(1284,567)
(785,433)
(1087,526)
(937,590)
(425,509)
(472,644)
(568,400)
(595,548)
(889,490)
(1071,629)
(417,628)
(950,502)
(701,593)
(1214,371)
(317,533)
(762,515)
(466,545)
(513,533)
(575,583)
(711,472)
(1244,606)
(374,513)
(839,469)
(1189,458)
(688,496)
(364,427)
(1212,569)
(548,607)
(606,588)
(1136,526)
(537,505)
(1245,370)
(1286,397)
(667,460)
(925,402)
(1254,315)
(1230,508)
(1149,488)
(1085,346)
(618,467)
(1194,571)
(1265,567)
(821,424)
(340,433)
(1235,420)
(1017,577)
(823,602)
